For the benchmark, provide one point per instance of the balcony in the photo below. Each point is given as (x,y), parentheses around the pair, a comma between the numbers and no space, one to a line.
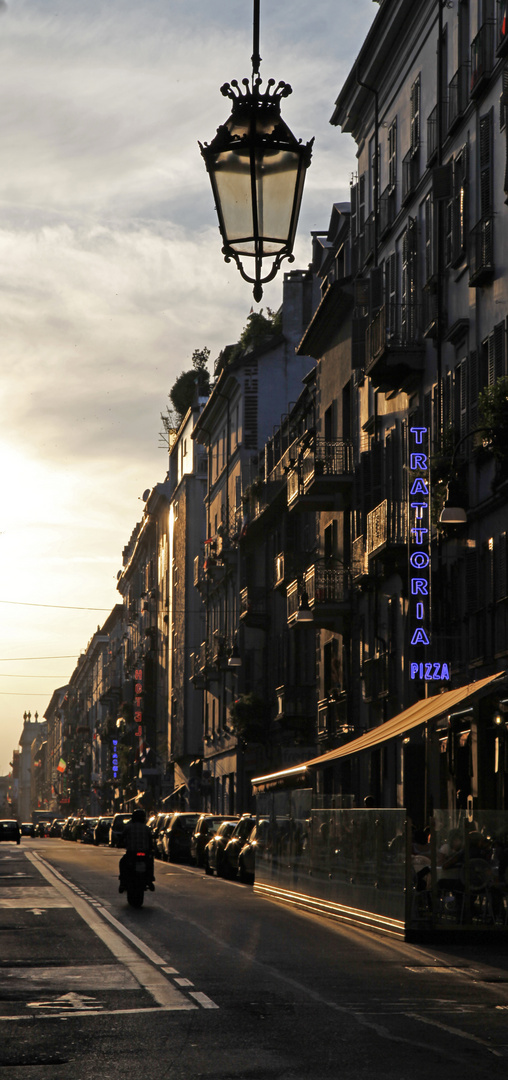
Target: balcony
(394,351)
(375,677)
(333,726)
(481,252)
(359,561)
(279,570)
(432,135)
(198,675)
(322,480)
(457,96)
(199,572)
(253,607)
(202,669)
(293,601)
(387,209)
(327,585)
(482,58)
(296,701)
(387,530)
(410,173)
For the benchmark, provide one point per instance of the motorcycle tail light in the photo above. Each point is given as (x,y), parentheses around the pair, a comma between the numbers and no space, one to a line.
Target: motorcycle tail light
(139,854)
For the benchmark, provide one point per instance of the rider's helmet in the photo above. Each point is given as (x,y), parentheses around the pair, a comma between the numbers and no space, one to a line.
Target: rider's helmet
(138,815)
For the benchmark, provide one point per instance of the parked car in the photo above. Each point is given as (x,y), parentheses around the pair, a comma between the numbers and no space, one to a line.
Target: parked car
(206,826)
(68,827)
(9,830)
(101,831)
(55,829)
(214,850)
(86,829)
(241,833)
(26,828)
(257,842)
(116,829)
(157,828)
(176,838)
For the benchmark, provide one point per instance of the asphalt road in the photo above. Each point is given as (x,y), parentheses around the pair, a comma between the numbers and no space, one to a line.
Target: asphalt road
(210,981)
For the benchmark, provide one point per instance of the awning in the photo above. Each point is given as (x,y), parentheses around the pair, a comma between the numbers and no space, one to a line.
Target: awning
(175,792)
(419,713)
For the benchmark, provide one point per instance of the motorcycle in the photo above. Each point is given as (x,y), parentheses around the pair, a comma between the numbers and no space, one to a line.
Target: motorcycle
(136,877)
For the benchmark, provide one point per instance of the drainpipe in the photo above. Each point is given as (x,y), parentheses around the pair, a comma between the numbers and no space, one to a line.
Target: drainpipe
(372,90)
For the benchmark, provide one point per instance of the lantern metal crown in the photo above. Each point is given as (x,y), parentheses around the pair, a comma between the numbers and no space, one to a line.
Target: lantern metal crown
(257,170)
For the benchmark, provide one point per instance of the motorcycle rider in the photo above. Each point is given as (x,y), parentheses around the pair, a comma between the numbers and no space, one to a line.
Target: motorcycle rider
(136,837)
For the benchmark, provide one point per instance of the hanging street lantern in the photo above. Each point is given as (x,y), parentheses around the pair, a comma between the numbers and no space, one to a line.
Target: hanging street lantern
(257,170)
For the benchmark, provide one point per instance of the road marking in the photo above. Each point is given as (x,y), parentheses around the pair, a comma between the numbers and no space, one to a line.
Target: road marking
(203,1000)
(89,977)
(456,1032)
(72,1002)
(162,991)
(184,982)
(32,896)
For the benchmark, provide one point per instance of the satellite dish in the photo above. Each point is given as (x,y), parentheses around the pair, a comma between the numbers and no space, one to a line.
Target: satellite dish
(145,494)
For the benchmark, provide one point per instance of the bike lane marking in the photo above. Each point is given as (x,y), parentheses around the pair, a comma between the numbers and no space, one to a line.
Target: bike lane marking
(149,978)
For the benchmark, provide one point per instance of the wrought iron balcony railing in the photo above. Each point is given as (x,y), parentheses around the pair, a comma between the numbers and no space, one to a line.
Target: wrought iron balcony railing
(432,135)
(482,57)
(457,95)
(386,526)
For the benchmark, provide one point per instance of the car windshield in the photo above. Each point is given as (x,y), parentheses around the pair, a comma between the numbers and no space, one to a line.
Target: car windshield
(244,828)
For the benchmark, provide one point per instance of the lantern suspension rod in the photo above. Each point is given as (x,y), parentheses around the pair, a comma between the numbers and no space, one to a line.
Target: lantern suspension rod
(256,59)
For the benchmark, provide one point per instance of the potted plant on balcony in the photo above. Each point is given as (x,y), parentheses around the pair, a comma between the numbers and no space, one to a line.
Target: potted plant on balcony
(493,421)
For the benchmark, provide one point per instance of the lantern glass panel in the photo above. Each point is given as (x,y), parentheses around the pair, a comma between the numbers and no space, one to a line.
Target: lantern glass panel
(277,176)
(232,179)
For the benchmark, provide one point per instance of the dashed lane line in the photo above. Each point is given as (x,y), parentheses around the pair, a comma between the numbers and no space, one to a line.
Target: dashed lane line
(160,962)
(146,974)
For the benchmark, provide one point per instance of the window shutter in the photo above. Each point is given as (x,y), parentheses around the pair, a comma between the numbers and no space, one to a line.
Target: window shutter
(392,154)
(415,115)
(499,351)
(486,165)
(354,210)
(473,389)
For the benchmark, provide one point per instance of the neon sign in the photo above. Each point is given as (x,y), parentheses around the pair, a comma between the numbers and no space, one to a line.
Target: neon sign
(419,559)
(114,758)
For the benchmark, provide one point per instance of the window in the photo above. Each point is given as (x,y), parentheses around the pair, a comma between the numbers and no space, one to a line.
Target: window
(486,165)
(392,154)
(428,222)
(409,262)
(460,404)
(391,294)
(503,102)
(415,100)
(459,207)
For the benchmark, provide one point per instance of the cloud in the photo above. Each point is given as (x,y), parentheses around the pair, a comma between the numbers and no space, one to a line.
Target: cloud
(111,270)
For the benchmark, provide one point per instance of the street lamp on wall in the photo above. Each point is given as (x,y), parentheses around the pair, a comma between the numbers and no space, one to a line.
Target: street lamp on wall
(453,513)
(257,171)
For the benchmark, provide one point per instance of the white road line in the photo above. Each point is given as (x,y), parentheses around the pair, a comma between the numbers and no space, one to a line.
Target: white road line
(203,1000)
(163,992)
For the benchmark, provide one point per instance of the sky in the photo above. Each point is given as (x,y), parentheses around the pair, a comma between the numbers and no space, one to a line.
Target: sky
(111,274)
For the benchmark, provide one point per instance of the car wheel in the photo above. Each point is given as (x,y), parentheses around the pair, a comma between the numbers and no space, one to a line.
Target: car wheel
(208,869)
